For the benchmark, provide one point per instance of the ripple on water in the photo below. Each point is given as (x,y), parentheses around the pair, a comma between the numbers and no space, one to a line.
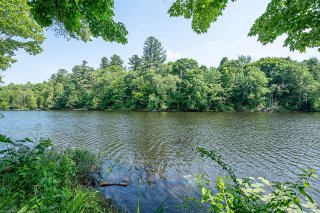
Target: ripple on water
(160,148)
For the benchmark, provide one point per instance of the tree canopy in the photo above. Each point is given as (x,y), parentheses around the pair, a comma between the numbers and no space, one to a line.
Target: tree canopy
(299,20)
(135,62)
(22,22)
(80,19)
(153,52)
(235,85)
(104,63)
(17,31)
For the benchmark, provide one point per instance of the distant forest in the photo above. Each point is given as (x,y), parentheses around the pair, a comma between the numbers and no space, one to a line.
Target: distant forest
(151,84)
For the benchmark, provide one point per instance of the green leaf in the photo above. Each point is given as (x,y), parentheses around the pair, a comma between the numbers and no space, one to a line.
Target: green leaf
(204,191)
(296,200)
(108,170)
(4,139)
(256,185)
(314,176)
(302,190)
(265,181)
(309,198)
(27,140)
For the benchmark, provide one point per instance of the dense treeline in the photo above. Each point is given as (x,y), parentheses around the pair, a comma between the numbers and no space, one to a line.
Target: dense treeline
(151,84)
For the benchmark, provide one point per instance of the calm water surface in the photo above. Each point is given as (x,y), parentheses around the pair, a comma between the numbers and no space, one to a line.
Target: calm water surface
(160,148)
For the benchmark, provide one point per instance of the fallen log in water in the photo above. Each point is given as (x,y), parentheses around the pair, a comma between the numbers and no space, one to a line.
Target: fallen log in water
(104,184)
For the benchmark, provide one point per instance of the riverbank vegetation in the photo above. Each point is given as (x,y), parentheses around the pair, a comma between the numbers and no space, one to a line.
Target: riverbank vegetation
(151,84)
(257,194)
(35,178)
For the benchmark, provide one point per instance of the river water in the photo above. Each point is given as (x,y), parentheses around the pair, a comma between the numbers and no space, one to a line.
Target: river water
(160,147)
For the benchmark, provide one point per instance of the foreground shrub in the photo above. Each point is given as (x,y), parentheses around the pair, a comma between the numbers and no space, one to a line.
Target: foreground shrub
(35,178)
(241,195)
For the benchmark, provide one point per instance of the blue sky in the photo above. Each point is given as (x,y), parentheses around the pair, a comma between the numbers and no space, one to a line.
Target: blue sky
(143,18)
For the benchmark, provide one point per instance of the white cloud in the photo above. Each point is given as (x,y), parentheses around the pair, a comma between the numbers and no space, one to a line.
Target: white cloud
(174,55)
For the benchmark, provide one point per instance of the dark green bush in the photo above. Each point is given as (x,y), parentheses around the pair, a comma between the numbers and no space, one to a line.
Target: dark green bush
(35,178)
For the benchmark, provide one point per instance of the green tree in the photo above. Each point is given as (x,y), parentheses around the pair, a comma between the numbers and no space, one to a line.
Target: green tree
(163,90)
(229,70)
(31,101)
(4,98)
(60,76)
(60,98)
(135,62)
(276,83)
(250,88)
(193,93)
(215,91)
(244,60)
(183,64)
(104,63)
(110,90)
(223,61)
(17,31)
(116,60)
(48,96)
(73,97)
(291,82)
(153,52)
(314,67)
(140,89)
(83,81)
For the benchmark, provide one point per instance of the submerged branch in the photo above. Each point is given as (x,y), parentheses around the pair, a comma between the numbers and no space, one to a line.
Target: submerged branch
(104,184)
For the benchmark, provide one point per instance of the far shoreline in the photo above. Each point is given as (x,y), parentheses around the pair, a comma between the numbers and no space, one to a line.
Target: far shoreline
(155,111)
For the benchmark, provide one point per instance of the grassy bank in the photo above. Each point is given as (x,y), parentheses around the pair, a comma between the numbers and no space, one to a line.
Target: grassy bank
(36,179)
